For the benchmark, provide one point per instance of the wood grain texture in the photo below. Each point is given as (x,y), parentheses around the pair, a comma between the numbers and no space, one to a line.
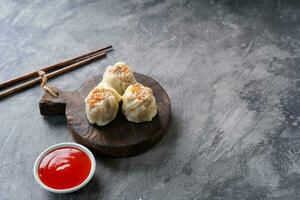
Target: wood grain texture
(120,137)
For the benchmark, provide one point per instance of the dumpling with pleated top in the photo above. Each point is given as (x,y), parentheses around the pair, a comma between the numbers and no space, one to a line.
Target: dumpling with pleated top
(139,104)
(102,105)
(119,76)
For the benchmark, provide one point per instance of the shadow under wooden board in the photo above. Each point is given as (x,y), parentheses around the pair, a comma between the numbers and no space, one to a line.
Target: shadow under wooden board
(120,137)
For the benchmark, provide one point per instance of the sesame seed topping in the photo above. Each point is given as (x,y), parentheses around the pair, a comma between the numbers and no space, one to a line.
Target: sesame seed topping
(98,95)
(138,90)
(120,69)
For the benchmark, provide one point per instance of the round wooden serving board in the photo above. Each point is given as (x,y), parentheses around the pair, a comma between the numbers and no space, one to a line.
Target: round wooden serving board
(118,138)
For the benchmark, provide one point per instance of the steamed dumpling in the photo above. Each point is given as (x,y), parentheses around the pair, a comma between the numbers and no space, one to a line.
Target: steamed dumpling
(139,104)
(119,77)
(102,105)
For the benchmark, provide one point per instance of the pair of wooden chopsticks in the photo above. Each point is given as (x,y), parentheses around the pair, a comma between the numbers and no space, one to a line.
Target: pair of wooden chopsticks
(51,71)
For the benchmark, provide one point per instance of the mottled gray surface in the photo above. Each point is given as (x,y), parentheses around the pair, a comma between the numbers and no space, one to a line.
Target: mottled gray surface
(231,69)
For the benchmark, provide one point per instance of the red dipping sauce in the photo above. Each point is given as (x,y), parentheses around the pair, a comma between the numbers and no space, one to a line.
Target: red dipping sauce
(64,168)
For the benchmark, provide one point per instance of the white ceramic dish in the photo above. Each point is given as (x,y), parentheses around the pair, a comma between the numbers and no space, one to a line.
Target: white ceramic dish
(64,144)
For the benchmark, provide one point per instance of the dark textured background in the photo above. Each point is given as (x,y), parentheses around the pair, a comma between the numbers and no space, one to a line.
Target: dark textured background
(231,69)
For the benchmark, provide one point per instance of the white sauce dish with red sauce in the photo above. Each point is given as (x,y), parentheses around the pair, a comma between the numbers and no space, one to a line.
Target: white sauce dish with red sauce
(64,167)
